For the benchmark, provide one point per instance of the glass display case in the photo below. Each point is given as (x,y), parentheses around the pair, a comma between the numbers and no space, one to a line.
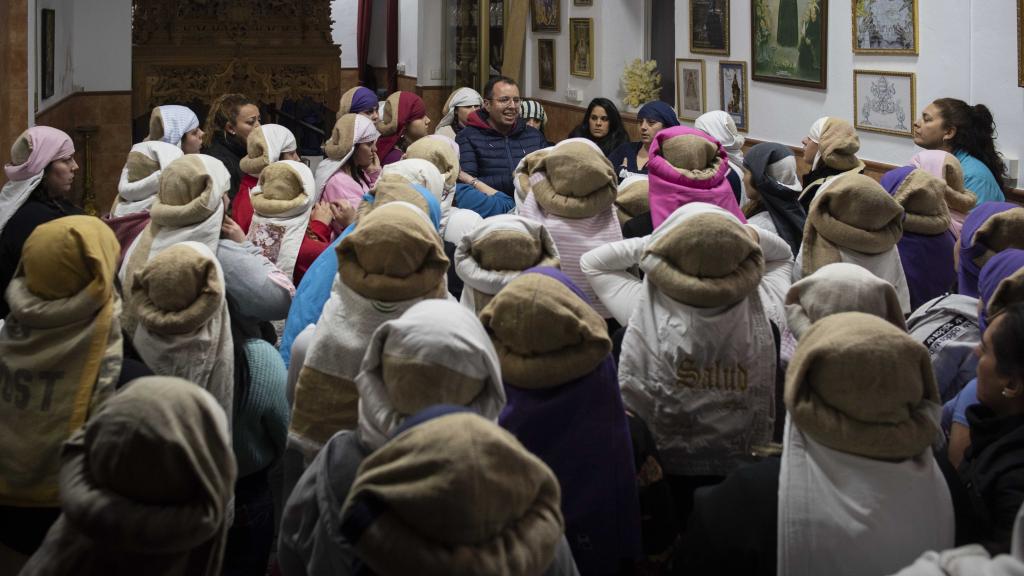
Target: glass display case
(474,41)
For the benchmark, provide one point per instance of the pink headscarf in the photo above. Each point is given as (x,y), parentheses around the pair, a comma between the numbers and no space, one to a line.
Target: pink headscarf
(670,188)
(47,144)
(934,163)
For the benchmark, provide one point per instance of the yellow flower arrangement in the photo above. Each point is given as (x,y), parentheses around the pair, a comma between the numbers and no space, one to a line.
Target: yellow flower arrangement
(641,82)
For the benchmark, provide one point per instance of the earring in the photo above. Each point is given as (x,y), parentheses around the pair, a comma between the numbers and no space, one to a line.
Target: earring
(1011,392)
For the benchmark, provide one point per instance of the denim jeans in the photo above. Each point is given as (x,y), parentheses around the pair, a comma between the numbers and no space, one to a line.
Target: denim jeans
(252,534)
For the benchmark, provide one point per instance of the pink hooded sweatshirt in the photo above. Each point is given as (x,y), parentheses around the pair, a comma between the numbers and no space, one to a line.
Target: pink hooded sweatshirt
(672,187)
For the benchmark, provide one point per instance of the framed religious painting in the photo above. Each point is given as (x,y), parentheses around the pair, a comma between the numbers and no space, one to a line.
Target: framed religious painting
(691,94)
(581,47)
(546,63)
(789,40)
(709,27)
(885,27)
(732,84)
(546,15)
(885,102)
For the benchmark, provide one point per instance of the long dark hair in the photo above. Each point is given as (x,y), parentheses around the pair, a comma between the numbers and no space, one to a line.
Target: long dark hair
(975,133)
(223,111)
(1007,342)
(617,135)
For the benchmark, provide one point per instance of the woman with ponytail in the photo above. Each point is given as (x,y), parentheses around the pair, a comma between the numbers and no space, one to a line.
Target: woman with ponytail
(967,132)
(225,135)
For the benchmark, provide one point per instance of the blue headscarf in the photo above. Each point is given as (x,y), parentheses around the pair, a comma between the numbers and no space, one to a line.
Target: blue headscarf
(658,111)
(315,288)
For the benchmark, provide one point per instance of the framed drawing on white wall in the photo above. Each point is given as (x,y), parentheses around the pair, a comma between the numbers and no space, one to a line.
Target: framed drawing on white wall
(885,27)
(732,90)
(581,47)
(691,93)
(885,102)
(546,63)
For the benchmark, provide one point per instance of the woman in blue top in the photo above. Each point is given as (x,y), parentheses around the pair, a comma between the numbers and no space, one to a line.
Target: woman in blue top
(967,132)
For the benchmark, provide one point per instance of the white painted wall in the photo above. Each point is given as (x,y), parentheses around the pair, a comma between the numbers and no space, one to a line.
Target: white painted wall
(966,52)
(408,35)
(345,14)
(619,37)
(92,48)
(430,43)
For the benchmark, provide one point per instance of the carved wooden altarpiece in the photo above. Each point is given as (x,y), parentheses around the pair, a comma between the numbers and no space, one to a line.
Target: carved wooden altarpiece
(191,51)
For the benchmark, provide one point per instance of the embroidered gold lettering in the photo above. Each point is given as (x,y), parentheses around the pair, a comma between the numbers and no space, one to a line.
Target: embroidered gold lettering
(714,376)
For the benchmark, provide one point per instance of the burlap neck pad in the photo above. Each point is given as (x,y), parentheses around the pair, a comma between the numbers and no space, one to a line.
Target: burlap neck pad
(188,193)
(860,385)
(707,260)
(632,198)
(1010,290)
(837,288)
(855,213)
(574,181)
(156,125)
(439,151)
(459,495)
(394,188)
(393,254)
(527,166)
(437,352)
(1001,231)
(342,139)
(692,156)
(345,103)
(923,199)
(958,197)
(178,291)
(544,333)
(158,459)
(389,120)
(140,178)
(839,145)
(417,171)
(262,149)
(498,250)
(64,356)
(284,190)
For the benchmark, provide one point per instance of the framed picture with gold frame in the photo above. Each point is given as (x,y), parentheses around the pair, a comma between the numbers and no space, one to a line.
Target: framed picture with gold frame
(885,27)
(885,101)
(546,15)
(732,84)
(581,47)
(691,92)
(709,27)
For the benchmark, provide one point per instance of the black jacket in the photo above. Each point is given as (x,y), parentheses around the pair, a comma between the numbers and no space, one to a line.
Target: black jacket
(992,473)
(230,152)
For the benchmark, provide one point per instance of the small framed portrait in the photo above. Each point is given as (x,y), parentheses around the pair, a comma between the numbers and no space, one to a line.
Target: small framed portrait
(885,26)
(709,27)
(691,94)
(581,47)
(885,102)
(582,2)
(546,63)
(732,84)
(790,42)
(546,15)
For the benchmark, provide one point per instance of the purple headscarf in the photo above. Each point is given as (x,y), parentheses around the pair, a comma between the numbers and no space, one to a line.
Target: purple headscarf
(998,268)
(969,270)
(363,100)
(927,260)
(579,429)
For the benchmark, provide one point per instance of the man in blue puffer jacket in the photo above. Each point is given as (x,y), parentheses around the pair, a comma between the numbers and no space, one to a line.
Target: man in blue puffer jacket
(495,139)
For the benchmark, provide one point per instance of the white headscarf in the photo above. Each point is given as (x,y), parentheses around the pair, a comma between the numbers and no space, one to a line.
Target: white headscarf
(713,344)
(279,140)
(434,332)
(139,195)
(461,97)
(418,171)
(364,131)
(720,126)
(840,287)
(785,172)
(177,121)
(815,135)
